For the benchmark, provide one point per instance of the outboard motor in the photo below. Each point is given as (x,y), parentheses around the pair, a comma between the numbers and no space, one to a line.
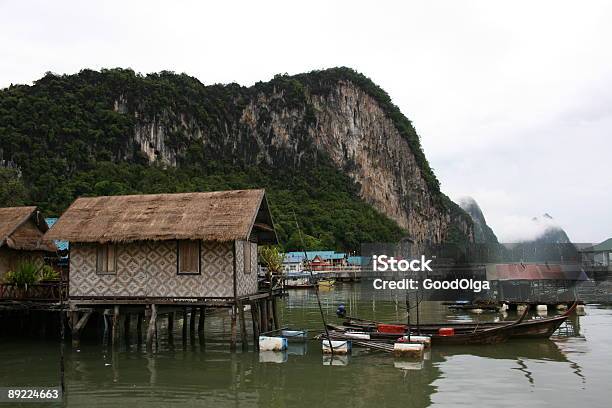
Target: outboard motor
(341,311)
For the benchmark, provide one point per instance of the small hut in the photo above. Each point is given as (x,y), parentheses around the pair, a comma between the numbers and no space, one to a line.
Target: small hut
(21,237)
(189,246)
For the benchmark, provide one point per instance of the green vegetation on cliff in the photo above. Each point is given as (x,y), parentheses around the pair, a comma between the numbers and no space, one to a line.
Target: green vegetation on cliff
(73,135)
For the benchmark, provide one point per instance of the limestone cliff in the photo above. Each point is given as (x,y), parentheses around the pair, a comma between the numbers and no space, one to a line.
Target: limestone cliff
(299,121)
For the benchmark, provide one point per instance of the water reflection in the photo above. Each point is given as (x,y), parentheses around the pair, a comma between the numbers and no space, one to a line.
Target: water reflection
(189,373)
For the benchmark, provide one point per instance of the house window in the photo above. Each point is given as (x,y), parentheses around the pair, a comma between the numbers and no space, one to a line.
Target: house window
(188,258)
(247,257)
(106,259)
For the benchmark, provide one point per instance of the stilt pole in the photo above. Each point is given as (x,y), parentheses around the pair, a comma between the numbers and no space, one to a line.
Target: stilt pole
(233,329)
(151,328)
(243,332)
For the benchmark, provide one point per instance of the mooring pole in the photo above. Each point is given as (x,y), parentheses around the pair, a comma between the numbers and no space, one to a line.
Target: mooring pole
(329,341)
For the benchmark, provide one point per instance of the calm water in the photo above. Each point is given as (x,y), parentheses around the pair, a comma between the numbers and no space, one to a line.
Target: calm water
(574,368)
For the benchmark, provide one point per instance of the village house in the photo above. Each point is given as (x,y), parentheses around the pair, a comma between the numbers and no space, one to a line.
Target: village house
(165,246)
(21,238)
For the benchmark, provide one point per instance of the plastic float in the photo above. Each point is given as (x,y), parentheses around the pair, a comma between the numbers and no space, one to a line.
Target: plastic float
(413,350)
(446,331)
(267,343)
(357,335)
(339,346)
(424,340)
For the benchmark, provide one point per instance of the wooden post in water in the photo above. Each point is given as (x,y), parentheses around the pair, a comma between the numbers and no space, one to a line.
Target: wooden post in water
(77,327)
(275,313)
(233,329)
(192,325)
(139,327)
(115,330)
(243,332)
(264,316)
(270,314)
(126,328)
(256,320)
(151,329)
(171,327)
(185,324)
(201,320)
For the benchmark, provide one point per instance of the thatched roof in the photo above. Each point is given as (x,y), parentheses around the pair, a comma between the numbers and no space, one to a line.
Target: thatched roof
(213,216)
(22,228)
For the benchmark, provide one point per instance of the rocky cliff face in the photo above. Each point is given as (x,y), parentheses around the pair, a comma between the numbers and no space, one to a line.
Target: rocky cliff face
(301,121)
(483,234)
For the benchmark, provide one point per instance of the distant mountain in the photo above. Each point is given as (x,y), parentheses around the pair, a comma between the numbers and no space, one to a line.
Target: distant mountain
(552,233)
(482,232)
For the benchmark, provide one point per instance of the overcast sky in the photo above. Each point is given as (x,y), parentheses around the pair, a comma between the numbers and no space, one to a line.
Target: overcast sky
(513,102)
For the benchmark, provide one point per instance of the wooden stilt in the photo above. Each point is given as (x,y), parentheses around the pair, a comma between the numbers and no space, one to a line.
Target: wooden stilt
(201,320)
(185,324)
(233,329)
(243,332)
(78,327)
(139,328)
(171,327)
(126,328)
(275,314)
(151,328)
(264,316)
(256,320)
(192,324)
(115,333)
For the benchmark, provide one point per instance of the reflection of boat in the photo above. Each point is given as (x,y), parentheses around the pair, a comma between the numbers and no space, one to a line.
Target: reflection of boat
(534,328)
(326,282)
(487,335)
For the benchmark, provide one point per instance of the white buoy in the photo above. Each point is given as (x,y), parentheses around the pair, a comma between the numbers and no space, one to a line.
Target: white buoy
(503,307)
(339,346)
(424,340)
(561,306)
(272,343)
(277,357)
(409,349)
(580,310)
(542,308)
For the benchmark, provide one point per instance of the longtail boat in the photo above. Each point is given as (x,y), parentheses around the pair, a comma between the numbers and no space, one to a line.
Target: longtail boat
(488,335)
(534,328)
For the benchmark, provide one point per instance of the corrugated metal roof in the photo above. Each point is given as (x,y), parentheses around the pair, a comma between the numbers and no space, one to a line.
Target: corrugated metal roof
(601,247)
(61,245)
(532,271)
(298,256)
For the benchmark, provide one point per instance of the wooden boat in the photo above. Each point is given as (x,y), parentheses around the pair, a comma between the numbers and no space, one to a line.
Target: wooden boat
(488,335)
(535,328)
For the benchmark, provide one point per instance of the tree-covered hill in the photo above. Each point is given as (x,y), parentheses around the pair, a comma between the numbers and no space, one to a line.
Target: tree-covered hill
(73,135)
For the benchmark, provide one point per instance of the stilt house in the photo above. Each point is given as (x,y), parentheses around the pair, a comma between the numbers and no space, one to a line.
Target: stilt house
(174,247)
(21,238)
